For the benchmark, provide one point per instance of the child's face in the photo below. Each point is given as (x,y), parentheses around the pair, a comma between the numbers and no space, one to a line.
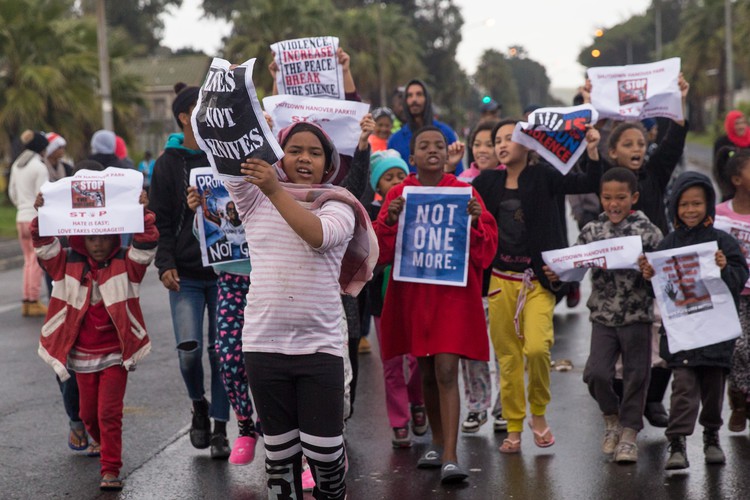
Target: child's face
(383,126)
(430,152)
(741,182)
(99,246)
(391,177)
(691,207)
(484,153)
(304,159)
(617,200)
(630,150)
(509,153)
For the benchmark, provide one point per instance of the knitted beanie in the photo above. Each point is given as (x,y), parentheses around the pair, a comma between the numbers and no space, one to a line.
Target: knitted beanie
(381,162)
(56,141)
(34,141)
(103,142)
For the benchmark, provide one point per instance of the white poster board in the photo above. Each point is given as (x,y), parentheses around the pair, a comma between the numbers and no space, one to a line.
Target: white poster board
(571,264)
(309,67)
(93,202)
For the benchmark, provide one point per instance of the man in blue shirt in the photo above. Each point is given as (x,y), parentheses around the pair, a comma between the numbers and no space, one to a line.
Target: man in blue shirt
(418,114)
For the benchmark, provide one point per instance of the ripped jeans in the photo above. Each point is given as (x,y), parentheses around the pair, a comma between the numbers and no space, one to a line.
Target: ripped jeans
(188,307)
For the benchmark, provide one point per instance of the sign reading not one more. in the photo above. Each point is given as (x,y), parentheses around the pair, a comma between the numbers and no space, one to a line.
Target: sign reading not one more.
(432,244)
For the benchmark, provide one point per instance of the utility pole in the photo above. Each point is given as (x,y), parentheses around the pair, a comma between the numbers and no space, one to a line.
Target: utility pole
(105,86)
(729,53)
(657,29)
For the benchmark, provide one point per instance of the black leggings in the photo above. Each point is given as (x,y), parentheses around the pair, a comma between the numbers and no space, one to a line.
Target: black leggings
(300,402)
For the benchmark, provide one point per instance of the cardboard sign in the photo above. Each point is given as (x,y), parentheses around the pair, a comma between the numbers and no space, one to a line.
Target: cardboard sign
(697,308)
(557,134)
(220,230)
(637,91)
(309,67)
(339,119)
(432,243)
(571,264)
(228,122)
(93,202)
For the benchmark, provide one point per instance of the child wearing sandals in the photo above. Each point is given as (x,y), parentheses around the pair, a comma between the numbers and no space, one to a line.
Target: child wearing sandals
(621,316)
(411,322)
(523,199)
(102,337)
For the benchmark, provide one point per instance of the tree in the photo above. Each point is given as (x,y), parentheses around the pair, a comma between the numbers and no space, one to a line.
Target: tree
(531,79)
(48,67)
(495,75)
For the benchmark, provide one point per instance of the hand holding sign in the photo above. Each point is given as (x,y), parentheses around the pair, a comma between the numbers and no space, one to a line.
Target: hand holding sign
(261,174)
(394,210)
(474,208)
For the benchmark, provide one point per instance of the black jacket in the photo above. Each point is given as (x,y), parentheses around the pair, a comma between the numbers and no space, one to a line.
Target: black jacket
(178,247)
(654,176)
(735,274)
(539,187)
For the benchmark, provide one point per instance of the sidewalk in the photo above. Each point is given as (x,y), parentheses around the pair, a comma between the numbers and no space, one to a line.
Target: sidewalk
(10,254)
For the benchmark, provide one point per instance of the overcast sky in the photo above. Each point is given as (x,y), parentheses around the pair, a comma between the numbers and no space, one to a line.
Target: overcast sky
(552,31)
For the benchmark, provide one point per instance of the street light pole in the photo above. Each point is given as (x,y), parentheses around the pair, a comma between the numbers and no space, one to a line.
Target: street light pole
(729,53)
(657,28)
(105,86)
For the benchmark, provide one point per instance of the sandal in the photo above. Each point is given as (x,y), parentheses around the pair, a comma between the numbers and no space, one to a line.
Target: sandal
(110,482)
(94,449)
(510,446)
(78,440)
(539,437)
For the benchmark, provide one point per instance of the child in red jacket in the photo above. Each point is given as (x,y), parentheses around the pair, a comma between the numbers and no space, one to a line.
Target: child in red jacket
(94,326)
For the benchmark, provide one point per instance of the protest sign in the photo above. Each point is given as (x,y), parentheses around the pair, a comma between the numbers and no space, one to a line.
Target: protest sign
(432,243)
(570,264)
(228,122)
(93,202)
(557,134)
(309,67)
(697,308)
(339,119)
(741,232)
(637,91)
(220,230)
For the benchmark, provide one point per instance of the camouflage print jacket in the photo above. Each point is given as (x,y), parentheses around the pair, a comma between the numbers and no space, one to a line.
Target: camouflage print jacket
(620,297)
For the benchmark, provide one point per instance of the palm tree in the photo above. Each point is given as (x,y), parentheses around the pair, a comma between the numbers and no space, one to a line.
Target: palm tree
(48,69)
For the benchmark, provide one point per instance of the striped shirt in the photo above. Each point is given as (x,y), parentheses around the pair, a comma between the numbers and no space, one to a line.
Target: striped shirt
(294,302)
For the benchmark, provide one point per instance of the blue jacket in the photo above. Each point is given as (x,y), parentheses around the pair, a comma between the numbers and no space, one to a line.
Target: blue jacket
(400,142)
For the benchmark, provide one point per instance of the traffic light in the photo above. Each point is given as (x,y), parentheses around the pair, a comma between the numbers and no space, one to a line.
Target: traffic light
(486,99)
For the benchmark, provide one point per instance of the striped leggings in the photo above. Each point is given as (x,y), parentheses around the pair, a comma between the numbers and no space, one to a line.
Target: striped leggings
(300,400)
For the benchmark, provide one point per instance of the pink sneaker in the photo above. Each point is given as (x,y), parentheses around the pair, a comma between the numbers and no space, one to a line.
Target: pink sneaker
(243,450)
(308,483)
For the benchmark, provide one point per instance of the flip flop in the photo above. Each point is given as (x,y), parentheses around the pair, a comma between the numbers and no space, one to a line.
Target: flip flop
(538,437)
(111,484)
(510,446)
(78,440)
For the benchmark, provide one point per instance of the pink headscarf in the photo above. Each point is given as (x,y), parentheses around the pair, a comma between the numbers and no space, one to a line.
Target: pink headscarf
(742,141)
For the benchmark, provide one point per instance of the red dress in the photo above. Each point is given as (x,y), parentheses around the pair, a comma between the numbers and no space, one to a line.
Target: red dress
(425,319)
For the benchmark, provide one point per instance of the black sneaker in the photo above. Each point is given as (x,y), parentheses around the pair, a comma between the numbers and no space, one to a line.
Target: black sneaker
(220,449)
(677,454)
(200,430)
(474,421)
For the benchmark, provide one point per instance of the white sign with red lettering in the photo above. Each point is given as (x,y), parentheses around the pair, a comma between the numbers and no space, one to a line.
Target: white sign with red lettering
(93,202)
(571,264)
(741,232)
(309,67)
(339,119)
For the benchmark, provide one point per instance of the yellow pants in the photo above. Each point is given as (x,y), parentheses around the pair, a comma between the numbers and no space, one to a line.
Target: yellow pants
(536,327)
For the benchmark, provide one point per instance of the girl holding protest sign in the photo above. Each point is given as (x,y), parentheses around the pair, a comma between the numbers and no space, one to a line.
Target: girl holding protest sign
(699,373)
(292,336)
(523,198)
(410,322)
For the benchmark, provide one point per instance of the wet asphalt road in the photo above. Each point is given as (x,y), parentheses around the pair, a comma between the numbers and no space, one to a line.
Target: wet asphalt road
(159,462)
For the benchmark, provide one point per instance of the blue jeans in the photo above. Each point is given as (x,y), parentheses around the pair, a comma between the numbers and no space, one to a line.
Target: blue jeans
(69,390)
(188,307)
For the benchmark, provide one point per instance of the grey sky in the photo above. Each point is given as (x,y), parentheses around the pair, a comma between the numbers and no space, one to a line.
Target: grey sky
(552,31)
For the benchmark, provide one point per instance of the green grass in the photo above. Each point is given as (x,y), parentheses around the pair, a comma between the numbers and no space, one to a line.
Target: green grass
(704,139)
(7,218)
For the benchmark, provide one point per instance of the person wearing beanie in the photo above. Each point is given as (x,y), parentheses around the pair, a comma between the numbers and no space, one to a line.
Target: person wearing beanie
(121,152)
(384,119)
(27,174)
(419,114)
(192,287)
(54,153)
(103,146)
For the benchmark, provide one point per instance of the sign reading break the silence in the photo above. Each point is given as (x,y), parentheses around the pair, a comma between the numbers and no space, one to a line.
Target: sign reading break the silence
(432,243)
(557,134)
(637,91)
(309,67)
(93,202)
(227,120)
